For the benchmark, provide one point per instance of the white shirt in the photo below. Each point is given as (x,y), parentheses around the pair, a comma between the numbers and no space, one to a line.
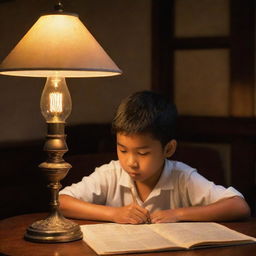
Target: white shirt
(179,186)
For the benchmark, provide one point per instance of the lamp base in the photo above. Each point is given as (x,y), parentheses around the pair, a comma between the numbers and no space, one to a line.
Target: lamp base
(54,229)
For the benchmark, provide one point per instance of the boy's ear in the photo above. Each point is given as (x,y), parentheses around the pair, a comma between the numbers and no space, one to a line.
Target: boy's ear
(170,148)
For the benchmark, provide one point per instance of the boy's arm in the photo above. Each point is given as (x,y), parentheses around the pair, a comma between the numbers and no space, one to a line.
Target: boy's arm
(227,209)
(74,208)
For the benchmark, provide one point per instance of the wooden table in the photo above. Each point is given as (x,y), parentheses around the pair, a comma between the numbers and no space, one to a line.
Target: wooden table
(12,242)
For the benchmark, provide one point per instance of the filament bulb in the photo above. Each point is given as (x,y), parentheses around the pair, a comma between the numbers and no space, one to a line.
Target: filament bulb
(55,102)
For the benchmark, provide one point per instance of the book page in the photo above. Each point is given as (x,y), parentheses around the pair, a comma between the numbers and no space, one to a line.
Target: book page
(187,234)
(119,238)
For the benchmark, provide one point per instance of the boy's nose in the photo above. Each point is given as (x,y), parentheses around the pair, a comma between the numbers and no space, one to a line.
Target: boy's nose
(132,161)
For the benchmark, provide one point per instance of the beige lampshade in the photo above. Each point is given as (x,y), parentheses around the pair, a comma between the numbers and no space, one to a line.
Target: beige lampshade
(58,44)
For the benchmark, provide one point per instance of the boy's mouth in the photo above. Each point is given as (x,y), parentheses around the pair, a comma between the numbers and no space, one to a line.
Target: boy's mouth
(134,174)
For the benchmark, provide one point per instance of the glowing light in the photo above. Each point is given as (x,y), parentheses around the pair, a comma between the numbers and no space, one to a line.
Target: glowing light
(56,102)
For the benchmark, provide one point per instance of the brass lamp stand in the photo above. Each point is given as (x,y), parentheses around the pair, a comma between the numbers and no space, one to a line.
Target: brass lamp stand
(55,228)
(57,46)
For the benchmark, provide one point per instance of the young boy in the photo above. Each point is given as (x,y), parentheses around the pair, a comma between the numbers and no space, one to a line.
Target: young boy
(143,186)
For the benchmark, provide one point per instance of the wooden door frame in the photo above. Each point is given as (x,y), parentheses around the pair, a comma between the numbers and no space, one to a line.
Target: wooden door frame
(239,128)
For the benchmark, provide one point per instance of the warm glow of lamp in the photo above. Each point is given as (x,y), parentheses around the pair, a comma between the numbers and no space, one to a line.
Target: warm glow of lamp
(55,102)
(58,45)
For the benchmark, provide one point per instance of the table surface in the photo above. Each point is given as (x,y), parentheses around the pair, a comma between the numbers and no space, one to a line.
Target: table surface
(12,242)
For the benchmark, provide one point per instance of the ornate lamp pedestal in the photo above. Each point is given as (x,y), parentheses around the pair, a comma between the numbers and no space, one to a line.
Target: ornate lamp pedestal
(55,228)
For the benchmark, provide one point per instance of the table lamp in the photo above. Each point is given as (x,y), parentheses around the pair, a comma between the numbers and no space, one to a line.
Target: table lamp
(58,45)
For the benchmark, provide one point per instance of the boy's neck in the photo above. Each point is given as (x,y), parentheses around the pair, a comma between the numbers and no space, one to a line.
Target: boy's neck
(144,188)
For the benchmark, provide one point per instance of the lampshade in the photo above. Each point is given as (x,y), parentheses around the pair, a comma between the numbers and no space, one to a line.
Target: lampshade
(58,44)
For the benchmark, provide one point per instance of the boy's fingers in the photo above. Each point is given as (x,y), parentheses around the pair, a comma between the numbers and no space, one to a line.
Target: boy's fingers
(139,216)
(142,213)
(143,210)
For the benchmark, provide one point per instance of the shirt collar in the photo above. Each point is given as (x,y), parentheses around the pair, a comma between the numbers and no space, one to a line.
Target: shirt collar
(125,179)
(165,182)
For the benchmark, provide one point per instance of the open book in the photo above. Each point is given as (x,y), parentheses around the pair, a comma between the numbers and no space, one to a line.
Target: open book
(112,238)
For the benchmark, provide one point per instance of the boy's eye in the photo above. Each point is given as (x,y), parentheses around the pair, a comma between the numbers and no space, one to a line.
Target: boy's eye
(143,153)
(122,150)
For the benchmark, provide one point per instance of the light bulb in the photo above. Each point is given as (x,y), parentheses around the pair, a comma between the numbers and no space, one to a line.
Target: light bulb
(55,102)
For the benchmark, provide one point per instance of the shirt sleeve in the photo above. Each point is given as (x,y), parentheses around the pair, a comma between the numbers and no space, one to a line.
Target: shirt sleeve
(200,191)
(93,188)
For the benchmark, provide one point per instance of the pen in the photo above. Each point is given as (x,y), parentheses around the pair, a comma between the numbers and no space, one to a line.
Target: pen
(136,202)
(133,197)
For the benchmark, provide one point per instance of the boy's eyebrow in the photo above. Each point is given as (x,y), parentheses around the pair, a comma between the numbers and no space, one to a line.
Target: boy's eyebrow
(119,144)
(142,147)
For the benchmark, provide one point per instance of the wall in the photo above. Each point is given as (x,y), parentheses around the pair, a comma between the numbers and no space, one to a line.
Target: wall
(123,28)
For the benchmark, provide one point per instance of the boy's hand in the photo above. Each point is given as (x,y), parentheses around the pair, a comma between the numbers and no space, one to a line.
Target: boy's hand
(164,216)
(131,214)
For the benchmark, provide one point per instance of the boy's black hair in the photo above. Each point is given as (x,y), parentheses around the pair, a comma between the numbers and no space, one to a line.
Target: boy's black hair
(146,111)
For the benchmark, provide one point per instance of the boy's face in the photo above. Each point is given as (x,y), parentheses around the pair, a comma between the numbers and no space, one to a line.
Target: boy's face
(141,156)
